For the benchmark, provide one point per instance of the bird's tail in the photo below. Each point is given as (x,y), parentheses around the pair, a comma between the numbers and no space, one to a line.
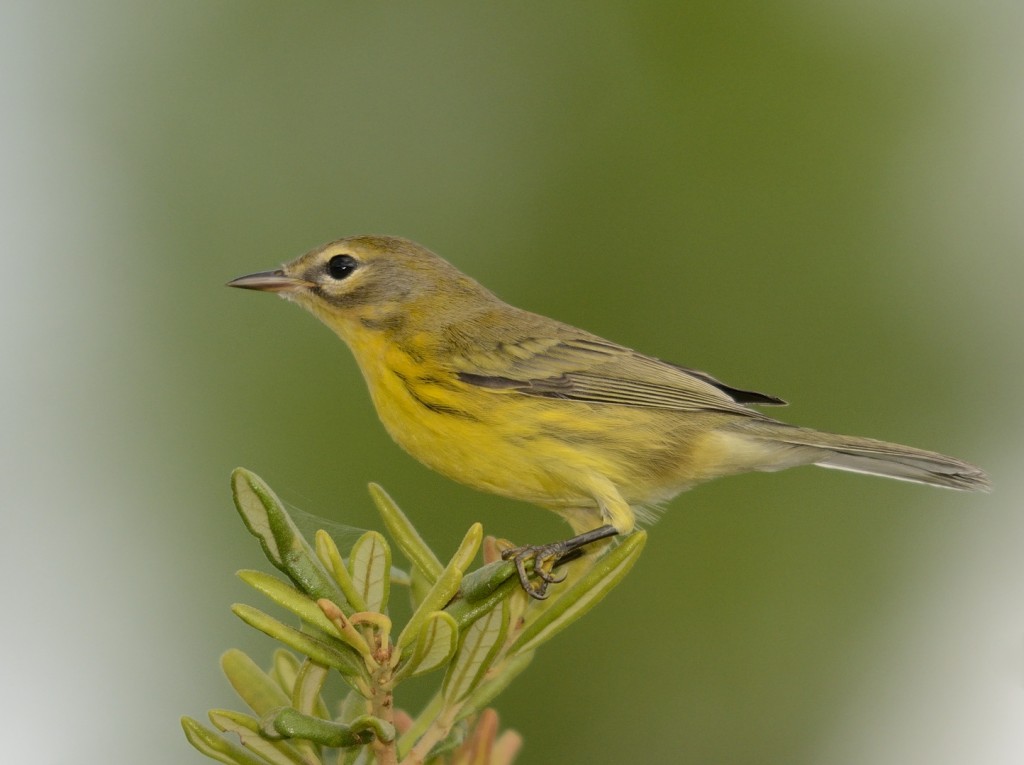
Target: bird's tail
(859,455)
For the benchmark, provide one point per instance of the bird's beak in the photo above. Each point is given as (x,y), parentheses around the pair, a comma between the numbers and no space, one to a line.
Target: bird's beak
(270,281)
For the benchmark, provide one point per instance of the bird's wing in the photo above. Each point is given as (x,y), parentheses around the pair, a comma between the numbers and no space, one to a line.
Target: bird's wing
(586,368)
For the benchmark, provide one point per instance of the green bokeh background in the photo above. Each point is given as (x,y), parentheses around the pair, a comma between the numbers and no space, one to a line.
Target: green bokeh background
(818,200)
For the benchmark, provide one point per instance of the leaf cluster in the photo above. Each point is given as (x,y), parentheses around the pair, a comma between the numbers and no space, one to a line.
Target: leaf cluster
(477,627)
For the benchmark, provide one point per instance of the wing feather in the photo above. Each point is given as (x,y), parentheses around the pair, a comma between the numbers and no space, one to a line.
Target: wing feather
(586,368)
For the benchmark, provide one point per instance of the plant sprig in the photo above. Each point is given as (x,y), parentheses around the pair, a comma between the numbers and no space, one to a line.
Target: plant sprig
(478,626)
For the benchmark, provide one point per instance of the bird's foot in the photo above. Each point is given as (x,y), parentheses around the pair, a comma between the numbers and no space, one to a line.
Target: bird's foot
(546,557)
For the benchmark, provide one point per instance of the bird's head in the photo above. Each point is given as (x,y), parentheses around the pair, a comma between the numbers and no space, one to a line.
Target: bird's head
(365,283)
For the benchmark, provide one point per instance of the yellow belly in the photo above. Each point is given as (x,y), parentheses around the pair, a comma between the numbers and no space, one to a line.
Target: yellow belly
(551,452)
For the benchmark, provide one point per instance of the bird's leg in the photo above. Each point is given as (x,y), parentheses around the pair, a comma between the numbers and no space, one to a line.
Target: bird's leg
(545,557)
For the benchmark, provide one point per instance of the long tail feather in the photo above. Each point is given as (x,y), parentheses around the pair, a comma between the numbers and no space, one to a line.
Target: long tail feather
(868,455)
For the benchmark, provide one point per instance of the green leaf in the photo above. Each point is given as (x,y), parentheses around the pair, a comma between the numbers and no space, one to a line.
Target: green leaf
(370,567)
(488,690)
(327,552)
(405,535)
(284,669)
(419,586)
(306,698)
(283,544)
(354,705)
(254,686)
(420,724)
(468,547)
(581,595)
(247,730)
(445,587)
(289,723)
(352,708)
(345,631)
(216,747)
(466,611)
(479,647)
(287,597)
(478,584)
(338,655)
(309,681)
(434,647)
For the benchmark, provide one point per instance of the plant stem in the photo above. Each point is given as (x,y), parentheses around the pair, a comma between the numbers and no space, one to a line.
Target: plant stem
(382,702)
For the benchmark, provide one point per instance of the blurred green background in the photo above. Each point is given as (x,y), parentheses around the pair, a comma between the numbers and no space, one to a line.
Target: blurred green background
(818,200)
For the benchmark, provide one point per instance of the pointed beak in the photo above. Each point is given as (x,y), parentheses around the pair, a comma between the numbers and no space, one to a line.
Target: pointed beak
(270,281)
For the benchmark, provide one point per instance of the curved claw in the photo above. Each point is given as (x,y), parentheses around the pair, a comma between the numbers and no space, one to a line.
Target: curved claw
(544,558)
(536,590)
(552,579)
(543,567)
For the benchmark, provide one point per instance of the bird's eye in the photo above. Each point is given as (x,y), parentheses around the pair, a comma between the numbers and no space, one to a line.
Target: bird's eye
(341,266)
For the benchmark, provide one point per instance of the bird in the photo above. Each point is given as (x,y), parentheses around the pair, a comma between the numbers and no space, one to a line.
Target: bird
(527,407)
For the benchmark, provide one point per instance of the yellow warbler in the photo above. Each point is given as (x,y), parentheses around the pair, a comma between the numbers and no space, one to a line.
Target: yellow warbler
(530,408)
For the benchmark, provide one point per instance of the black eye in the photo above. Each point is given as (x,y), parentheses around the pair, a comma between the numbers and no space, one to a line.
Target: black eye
(341,266)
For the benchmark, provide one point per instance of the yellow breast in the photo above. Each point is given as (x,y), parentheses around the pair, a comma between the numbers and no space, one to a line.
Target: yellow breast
(546,451)
(491,442)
